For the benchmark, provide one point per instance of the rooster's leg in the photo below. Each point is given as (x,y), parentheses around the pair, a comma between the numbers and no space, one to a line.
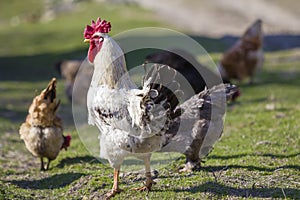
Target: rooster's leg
(149,181)
(42,164)
(115,189)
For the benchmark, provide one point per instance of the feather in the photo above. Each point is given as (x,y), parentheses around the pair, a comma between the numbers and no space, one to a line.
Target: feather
(138,112)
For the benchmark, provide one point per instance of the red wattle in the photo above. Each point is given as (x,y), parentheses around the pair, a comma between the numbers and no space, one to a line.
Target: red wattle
(93,50)
(92,53)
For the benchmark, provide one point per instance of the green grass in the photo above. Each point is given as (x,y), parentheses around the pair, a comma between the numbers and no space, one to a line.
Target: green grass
(257,157)
(39,45)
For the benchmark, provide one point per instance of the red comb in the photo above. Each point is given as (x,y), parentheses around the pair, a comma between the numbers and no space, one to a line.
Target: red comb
(101,26)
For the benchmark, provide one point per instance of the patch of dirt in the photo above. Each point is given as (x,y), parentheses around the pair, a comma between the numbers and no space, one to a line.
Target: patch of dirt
(138,176)
(21,163)
(82,182)
(255,184)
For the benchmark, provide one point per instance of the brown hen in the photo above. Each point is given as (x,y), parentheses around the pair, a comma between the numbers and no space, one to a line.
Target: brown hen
(42,131)
(246,56)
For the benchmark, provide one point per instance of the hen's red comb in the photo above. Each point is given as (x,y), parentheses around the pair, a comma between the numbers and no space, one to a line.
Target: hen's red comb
(101,26)
(67,140)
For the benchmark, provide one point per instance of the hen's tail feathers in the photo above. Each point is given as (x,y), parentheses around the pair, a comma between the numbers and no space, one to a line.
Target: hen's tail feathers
(50,91)
(254,35)
(212,111)
(42,111)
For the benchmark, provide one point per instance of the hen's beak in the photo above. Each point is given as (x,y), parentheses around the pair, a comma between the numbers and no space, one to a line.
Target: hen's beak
(86,40)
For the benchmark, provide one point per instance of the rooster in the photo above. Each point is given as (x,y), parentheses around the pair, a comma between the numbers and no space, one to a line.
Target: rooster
(42,131)
(245,57)
(137,122)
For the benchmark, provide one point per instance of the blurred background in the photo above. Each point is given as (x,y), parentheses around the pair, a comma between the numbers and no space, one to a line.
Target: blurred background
(36,33)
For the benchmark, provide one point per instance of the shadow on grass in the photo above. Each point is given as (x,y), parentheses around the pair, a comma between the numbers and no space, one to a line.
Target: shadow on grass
(18,117)
(222,190)
(270,77)
(261,155)
(248,167)
(34,67)
(53,182)
(75,160)
(13,115)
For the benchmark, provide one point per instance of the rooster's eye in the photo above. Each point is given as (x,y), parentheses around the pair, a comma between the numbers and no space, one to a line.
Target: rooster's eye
(100,38)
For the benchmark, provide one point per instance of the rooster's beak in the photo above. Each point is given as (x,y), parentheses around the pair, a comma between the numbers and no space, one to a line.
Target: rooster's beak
(86,40)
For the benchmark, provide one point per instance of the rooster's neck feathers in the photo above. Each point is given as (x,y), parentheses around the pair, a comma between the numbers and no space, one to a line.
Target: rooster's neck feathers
(110,66)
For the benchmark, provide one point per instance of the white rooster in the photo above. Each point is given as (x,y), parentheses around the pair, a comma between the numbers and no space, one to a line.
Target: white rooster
(137,122)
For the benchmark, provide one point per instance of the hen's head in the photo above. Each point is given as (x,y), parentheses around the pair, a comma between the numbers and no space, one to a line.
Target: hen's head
(95,34)
(67,142)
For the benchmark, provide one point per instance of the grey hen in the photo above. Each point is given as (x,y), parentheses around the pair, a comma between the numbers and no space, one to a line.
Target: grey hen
(199,125)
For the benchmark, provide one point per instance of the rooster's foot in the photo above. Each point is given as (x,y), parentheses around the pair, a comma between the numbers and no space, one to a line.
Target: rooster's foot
(147,187)
(112,193)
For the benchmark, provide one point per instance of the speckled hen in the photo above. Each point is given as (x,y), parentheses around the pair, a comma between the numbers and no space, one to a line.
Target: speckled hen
(42,131)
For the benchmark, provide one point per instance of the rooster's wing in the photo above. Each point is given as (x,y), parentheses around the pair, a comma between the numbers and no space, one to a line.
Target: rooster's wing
(141,113)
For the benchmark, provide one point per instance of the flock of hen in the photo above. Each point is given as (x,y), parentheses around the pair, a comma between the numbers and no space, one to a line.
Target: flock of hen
(137,121)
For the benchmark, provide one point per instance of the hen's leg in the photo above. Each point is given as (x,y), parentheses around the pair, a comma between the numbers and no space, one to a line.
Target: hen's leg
(47,166)
(149,181)
(42,164)
(191,165)
(192,153)
(115,189)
